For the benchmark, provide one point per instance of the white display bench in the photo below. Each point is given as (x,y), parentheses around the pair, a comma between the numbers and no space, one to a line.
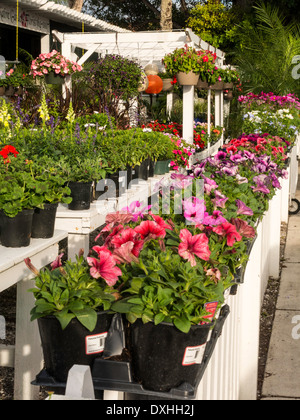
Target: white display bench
(26,355)
(80,224)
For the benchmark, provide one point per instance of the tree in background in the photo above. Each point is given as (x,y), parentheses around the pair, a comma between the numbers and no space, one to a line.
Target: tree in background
(139,15)
(214,22)
(166,22)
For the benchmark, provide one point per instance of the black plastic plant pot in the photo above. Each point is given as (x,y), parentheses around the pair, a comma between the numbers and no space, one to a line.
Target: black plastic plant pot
(81,195)
(119,179)
(16,231)
(151,168)
(164,357)
(43,221)
(129,176)
(135,172)
(73,345)
(144,170)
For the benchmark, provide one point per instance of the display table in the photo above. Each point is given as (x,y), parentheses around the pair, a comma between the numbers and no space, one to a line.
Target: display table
(80,223)
(26,355)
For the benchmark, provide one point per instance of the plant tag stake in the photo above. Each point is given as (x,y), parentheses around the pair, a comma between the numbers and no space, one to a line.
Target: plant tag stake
(193,355)
(95,343)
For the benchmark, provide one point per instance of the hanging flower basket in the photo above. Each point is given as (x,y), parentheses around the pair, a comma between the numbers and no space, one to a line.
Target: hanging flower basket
(217,86)
(54,79)
(187,79)
(202,85)
(167,85)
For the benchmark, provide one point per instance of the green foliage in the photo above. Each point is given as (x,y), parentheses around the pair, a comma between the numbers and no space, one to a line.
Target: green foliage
(213,22)
(69,292)
(266,51)
(161,287)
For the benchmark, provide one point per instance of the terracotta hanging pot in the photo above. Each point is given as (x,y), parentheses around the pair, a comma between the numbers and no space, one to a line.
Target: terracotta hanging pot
(187,79)
(202,85)
(167,85)
(228,86)
(217,86)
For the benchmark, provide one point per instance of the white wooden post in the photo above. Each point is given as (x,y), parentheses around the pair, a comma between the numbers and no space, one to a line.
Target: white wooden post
(170,101)
(66,52)
(218,108)
(188,113)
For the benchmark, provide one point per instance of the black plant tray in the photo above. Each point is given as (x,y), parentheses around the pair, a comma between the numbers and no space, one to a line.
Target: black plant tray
(115,375)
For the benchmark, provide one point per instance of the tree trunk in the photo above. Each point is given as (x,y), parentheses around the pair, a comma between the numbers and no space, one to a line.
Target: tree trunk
(76,4)
(166,23)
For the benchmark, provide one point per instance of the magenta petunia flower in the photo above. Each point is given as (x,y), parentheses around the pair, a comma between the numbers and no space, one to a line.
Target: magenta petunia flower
(215,219)
(194,209)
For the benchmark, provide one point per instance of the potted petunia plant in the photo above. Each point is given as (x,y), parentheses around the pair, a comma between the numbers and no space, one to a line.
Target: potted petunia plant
(72,302)
(170,286)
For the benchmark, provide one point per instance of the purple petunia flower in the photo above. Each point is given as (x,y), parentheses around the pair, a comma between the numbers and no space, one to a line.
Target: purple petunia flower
(243,209)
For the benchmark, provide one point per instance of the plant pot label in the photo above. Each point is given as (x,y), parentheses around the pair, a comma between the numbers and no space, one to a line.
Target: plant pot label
(210,307)
(95,343)
(193,355)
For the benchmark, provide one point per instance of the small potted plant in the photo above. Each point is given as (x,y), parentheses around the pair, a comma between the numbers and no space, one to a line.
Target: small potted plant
(52,189)
(54,67)
(168,81)
(72,300)
(18,198)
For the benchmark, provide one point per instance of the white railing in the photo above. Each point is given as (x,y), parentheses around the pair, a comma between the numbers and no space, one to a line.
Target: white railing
(233,368)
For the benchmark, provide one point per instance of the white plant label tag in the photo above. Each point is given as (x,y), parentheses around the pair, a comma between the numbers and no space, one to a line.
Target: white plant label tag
(193,355)
(95,343)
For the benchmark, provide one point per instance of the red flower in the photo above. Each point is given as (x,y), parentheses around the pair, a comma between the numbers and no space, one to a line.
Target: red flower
(228,230)
(128,235)
(160,221)
(150,230)
(7,150)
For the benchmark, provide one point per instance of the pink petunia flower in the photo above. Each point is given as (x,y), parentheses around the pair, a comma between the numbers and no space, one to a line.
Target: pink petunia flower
(57,262)
(128,235)
(194,209)
(192,246)
(104,266)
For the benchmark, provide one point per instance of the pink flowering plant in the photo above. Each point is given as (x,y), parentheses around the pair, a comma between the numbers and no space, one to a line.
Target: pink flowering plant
(168,274)
(53,62)
(75,289)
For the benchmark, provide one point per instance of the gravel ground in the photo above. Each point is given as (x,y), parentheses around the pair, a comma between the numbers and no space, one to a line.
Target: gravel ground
(7,309)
